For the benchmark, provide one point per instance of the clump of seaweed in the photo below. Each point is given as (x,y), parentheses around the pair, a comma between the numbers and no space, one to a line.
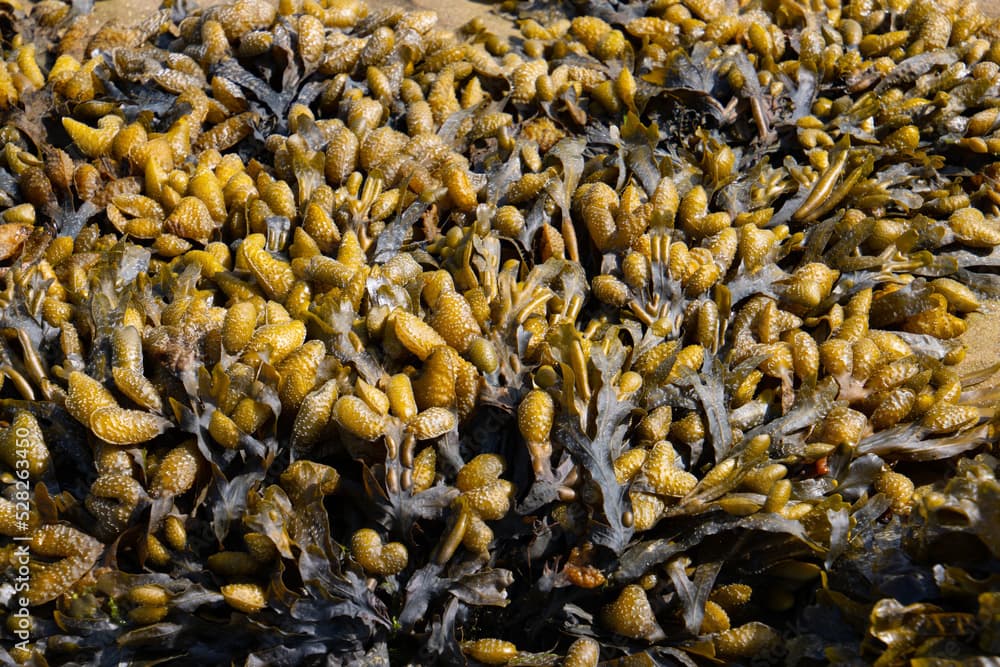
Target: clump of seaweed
(330,335)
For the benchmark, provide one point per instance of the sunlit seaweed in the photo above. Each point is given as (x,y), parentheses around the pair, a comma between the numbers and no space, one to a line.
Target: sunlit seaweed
(329,332)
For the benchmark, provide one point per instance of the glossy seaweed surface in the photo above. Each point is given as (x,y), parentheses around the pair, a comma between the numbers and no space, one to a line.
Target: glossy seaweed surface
(333,337)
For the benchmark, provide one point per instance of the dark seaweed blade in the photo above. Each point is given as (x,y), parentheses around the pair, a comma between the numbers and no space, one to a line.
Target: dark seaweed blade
(399,509)
(139,97)
(441,646)
(288,60)
(766,281)
(639,145)
(692,82)
(500,177)
(810,406)
(683,72)
(693,592)
(840,528)
(283,655)
(907,442)
(475,586)
(398,231)
(545,490)
(230,501)
(967,258)
(860,474)
(337,595)
(424,586)
(804,95)
(615,12)
(596,455)
(569,152)
(643,556)
(231,69)
(338,325)
(160,635)
(709,389)
(760,104)
(9,189)
(483,588)
(911,68)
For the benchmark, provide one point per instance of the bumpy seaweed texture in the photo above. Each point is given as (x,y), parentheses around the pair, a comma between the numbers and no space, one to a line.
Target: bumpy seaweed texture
(332,337)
